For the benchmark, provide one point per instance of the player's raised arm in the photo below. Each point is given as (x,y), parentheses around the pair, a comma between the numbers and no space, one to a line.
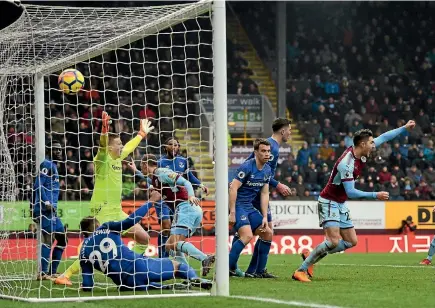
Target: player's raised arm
(134,217)
(145,129)
(391,134)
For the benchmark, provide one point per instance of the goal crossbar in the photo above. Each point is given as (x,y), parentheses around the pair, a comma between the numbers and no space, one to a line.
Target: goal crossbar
(47,65)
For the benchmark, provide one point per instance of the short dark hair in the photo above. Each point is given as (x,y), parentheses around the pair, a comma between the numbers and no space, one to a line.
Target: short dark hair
(260,141)
(87,225)
(361,135)
(149,159)
(279,123)
(113,136)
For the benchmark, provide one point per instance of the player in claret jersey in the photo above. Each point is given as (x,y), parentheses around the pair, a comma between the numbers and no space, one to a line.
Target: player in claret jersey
(178,193)
(334,215)
(252,178)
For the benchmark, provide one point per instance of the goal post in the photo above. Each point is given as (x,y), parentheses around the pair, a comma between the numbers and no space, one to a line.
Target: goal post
(114,48)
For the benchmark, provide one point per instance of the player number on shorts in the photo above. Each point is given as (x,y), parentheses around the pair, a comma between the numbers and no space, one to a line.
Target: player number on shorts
(96,254)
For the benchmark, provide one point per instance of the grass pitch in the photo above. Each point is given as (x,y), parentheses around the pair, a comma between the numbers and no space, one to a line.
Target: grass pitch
(341,280)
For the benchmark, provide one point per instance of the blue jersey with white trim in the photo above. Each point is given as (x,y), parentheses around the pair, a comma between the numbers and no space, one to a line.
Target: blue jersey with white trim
(252,180)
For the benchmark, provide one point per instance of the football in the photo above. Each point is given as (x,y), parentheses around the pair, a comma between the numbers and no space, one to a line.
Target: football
(71,81)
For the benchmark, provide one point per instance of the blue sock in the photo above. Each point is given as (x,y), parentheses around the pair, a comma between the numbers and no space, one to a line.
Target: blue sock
(320,250)
(252,268)
(235,251)
(263,254)
(191,250)
(431,250)
(342,245)
(235,238)
(45,258)
(185,272)
(178,256)
(161,242)
(56,258)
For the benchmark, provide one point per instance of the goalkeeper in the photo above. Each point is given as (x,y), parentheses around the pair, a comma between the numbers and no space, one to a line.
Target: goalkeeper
(106,199)
(104,251)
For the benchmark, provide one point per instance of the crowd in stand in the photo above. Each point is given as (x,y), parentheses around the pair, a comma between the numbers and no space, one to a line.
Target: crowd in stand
(348,72)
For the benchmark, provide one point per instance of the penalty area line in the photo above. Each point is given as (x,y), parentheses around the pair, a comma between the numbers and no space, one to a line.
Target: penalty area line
(376,265)
(283,302)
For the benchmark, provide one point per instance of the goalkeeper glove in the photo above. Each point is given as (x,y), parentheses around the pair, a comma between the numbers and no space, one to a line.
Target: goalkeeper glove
(106,121)
(145,128)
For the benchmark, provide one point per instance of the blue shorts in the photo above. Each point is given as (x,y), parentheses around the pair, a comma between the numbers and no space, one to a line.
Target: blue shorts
(257,204)
(50,224)
(187,219)
(333,214)
(248,217)
(164,211)
(146,270)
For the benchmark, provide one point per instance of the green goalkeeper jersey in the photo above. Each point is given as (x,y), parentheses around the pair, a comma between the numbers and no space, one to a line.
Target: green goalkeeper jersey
(108,178)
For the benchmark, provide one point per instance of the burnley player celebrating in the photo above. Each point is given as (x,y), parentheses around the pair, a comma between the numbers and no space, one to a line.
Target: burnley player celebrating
(252,177)
(334,215)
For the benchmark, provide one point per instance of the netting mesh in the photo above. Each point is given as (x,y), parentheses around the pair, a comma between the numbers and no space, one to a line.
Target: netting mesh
(159,77)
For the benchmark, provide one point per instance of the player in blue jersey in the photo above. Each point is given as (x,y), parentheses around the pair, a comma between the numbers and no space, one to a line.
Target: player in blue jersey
(104,250)
(175,162)
(334,215)
(44,212)
(252,178)
(281,133)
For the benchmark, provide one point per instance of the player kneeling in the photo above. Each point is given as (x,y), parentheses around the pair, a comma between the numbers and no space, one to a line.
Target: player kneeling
(104,250)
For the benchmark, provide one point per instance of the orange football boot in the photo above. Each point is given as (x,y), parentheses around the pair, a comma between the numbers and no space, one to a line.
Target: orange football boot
(301,276)
(310,269)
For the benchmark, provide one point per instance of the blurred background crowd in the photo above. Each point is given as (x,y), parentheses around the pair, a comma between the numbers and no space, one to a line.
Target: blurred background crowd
(350,65)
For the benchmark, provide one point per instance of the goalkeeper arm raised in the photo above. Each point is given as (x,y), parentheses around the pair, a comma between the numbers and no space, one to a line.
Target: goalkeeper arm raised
(145,129)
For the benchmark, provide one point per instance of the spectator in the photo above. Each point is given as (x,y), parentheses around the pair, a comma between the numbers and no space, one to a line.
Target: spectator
(398,173)
(408,226)
(414,174)
(429,175)
(324,175)
(287,165)
(300,186)
(341,148)
(384,175)
(424,191)
(312,131)
(303,155)
(311,178)
(325,150)
(393,188)
(348,140)
(385,151)
(428,151)
(328,132)
(295,173)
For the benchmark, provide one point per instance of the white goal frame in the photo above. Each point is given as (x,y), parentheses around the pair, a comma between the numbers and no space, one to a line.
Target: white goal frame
(221,285)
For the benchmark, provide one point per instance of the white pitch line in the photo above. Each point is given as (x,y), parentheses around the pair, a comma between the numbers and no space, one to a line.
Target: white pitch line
(282,302)
(376,265)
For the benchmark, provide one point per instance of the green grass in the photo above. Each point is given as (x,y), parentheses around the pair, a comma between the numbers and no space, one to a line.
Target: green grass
(345,280)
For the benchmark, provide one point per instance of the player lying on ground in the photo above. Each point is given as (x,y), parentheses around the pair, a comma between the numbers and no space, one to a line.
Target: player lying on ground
(334,215)
(172,160)
(44,212)
(106,198)
(178,192)
(104,250)
(281,133)
(253,177)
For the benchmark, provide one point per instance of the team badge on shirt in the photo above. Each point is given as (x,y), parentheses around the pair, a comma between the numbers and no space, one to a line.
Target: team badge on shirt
(181,164)
(172,175)
(363,159)
(241,175)
(271,157)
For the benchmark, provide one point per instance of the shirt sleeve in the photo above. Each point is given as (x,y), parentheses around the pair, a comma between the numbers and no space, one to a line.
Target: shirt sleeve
(354,193)
(167,176)
(390,135)
(345,171)
(41,180)
(186,184)
(130,146)
(242,173)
